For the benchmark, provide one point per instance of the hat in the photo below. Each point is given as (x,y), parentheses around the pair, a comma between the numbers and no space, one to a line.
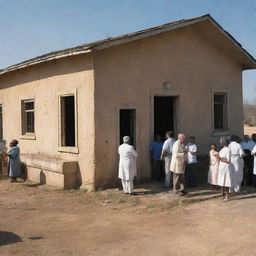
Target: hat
(126,139)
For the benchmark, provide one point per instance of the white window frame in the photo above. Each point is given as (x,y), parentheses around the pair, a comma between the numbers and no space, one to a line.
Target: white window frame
(24,133)
(225,130)
(67,149)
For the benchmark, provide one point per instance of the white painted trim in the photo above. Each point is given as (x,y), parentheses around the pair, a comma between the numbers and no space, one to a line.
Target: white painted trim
(226,131)
(64,93)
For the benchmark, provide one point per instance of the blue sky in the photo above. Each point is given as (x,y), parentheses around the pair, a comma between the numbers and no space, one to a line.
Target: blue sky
(33,27)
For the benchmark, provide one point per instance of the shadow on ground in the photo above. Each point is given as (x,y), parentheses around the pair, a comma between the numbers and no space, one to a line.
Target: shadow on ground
(8,238)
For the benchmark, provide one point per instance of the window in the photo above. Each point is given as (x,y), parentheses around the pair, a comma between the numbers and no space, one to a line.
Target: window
(28,117)
(1,121)
(220,111)
(68,121)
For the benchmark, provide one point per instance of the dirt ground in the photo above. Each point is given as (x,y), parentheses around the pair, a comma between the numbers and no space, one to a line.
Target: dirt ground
(39,220)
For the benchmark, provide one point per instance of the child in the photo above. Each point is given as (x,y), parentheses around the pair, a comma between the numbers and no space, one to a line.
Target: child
(214,167)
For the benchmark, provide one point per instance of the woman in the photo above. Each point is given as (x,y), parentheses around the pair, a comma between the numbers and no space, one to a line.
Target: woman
(236,163)
(14,167)
(224,177)
(214,167)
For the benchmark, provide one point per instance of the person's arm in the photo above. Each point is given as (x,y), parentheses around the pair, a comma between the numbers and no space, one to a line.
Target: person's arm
(134,153)
(227,158)
(254,151)
(193,151)
(12,153)
(164,152)
(241,151)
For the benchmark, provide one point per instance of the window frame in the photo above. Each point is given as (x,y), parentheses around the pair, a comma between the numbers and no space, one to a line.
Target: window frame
(23,128)
(225,130)
(61,148)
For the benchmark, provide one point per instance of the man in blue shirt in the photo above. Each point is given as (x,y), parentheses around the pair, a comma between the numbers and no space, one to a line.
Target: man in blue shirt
(157,164)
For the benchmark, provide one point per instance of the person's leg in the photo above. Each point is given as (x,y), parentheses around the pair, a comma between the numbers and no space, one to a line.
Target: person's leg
(167,172)
(154,169)
(194,175)
(158,169)
(254,180)
(130,186)
(222,193)
(124,184)
(175,182)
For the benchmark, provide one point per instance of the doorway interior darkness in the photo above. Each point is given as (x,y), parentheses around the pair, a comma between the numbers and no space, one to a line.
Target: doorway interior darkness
(163,115)
(127,125)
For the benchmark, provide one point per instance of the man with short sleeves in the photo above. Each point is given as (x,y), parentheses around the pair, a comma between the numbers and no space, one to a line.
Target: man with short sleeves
(191,172)
(254,168)
(166,155)
(247,145)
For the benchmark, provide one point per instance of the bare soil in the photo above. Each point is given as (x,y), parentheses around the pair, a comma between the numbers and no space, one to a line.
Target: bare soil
(40,220)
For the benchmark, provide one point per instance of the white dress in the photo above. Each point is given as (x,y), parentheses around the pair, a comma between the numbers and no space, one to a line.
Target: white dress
(236,164)
(213,168)
(224,176)
(127,163)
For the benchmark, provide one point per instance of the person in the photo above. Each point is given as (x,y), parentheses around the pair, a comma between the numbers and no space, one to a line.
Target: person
(157,164)
(247,145)
(191,174)
(127,165)
(178,165)
(236,163)
(166,155)
(214,167)
(14,166)
(254,166)
(224,176)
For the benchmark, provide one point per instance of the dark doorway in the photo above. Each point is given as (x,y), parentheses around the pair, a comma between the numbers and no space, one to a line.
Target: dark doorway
(68,121)
(127,125)
(163,115)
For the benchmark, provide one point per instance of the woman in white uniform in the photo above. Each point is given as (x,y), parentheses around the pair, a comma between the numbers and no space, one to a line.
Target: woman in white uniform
(224,177)
(236,163)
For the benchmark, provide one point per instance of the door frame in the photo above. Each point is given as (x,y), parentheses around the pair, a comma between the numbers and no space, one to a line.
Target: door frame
(176,109)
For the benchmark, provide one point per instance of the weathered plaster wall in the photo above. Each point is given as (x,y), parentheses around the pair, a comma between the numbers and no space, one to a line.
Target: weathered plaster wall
(44,83)
(127,74)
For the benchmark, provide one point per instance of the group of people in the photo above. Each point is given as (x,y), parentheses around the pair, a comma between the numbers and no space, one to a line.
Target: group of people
(229,167)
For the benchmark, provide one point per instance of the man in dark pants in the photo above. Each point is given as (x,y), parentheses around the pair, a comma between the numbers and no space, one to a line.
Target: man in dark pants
(247,146)
(157,164)
(191,168)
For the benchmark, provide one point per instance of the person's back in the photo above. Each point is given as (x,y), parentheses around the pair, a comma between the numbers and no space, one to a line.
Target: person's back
(126,151)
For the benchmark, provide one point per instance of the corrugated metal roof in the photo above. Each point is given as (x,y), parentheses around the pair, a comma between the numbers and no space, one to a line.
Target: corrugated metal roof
(112,41)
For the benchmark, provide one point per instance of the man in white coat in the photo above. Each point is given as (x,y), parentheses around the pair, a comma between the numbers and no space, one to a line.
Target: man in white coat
(178,165)
(127,165)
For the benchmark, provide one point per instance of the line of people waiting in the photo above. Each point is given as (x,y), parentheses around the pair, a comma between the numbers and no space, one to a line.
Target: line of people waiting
(228,168)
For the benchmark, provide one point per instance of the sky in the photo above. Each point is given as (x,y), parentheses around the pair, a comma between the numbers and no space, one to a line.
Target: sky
(33,27)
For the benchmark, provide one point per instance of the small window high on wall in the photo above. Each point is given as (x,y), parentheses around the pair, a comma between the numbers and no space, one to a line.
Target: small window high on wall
(68,120)
(28,117)
(220,111)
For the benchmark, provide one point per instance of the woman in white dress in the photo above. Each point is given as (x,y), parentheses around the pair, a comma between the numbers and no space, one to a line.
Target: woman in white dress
(214,167)
(236,163)
(224,177)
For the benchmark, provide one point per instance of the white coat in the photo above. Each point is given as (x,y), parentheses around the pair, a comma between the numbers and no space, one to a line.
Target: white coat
(224,176)
(178,158)
(127,163)
(236,164)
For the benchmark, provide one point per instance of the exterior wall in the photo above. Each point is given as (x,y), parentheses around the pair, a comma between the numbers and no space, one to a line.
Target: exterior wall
(130,75)
(44,83)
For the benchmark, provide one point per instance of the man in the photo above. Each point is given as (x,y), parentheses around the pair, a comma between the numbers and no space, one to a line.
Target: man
(166,155)
(157,164)
(127,165)
(247,145)
(191,172)
(178,165)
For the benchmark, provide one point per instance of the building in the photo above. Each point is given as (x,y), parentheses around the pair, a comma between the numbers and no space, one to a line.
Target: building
(70,108)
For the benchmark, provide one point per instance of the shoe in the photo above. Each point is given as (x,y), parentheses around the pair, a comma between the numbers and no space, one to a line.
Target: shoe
(183,193)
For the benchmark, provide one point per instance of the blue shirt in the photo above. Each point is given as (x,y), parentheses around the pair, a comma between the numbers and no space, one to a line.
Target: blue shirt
(156,148)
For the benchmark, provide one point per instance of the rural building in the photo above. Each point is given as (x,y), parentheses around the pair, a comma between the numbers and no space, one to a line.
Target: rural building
(69,109)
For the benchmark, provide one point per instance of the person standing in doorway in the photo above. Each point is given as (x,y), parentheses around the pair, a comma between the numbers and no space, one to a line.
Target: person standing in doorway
(166,155)
(157,164)
(247,146)
(178,165)
(14,167)
(236,163)
(127,165)
(191,172)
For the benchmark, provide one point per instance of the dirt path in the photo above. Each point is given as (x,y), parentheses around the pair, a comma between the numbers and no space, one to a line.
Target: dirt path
(50,222)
